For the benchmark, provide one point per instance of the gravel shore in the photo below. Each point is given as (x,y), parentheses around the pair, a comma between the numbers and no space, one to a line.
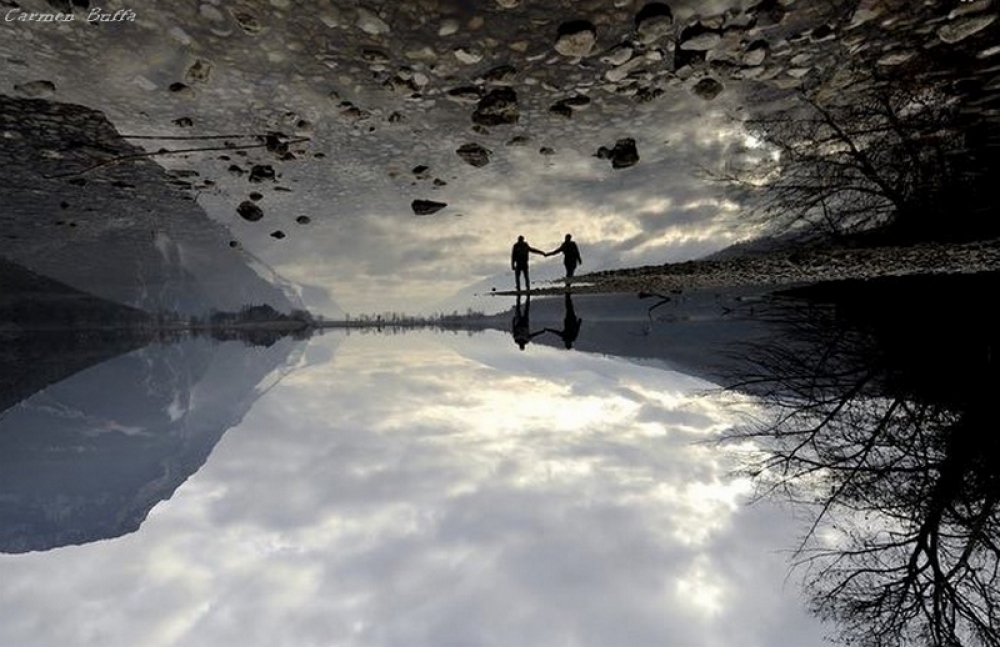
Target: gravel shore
(797,266)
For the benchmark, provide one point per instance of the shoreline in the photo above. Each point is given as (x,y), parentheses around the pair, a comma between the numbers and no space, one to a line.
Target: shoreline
(784,268)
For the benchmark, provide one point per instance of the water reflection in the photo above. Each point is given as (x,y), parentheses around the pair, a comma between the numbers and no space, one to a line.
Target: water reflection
(520,324)
(573,490)
(571,324)
(880,416)
(406,492)
(86,458)
(437,489)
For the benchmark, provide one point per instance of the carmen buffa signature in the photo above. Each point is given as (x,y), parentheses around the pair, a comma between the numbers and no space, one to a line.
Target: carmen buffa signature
(96,14)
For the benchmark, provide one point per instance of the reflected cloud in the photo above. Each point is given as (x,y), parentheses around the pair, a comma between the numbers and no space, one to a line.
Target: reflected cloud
(431,490)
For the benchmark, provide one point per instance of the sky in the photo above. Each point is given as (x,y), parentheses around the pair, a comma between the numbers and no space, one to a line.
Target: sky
(353,179)
(441,489)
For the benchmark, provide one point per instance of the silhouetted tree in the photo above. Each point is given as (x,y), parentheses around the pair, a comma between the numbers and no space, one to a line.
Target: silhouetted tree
(893,444)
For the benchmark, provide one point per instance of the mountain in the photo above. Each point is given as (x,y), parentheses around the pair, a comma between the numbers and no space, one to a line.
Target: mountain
(83,206)
(30,300)
(88,458)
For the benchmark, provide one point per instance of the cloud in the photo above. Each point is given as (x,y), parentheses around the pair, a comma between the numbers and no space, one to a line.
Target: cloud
(434,490)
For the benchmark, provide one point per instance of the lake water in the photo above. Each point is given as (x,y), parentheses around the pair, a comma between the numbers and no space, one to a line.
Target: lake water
(423,488)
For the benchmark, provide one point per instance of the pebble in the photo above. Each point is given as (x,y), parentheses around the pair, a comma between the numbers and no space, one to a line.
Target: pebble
(448,27)
(370,23)
(467,56)
(961,29)
(36,89)
(208,12)
(576,39)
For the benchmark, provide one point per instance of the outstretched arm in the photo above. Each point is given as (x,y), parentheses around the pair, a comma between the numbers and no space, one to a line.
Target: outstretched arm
(537,251)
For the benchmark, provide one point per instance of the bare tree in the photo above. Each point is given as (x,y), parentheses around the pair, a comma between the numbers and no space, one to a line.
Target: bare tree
(900,466)
(884,154)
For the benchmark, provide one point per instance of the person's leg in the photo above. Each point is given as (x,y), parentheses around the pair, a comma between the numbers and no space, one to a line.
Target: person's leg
(527,281)
(517,278)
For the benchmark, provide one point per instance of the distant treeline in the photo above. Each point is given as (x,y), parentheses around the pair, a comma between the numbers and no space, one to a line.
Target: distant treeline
(470,320)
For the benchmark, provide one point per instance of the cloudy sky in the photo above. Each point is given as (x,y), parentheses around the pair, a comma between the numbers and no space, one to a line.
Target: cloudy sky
(368,500)
(353,177)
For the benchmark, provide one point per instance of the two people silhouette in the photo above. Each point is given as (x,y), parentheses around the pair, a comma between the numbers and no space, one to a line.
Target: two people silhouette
(521,250)
(520,325)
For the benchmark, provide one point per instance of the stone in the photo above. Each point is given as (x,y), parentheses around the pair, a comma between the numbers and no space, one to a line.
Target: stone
(180,36)
(645,95)
(143,83)
(36,89)
(249,211)
(501,74)
(427,207)
(465,94)
(261,172)
(474,154)
(576,101)
(209,12)
(618,74)
(448,27)
(330,17)
(498,107)
(181,88)
(303,220)
(653,22)
(247,22)
(701,42)
(618,55)
(519,140)
(375,55)
(962,28)
(756,53)
(561,109)
(199,71)
(707,88)
(895,58)
(467,56)
(623,155)
(278,234)
(369,22)
(576,39)
(989,51)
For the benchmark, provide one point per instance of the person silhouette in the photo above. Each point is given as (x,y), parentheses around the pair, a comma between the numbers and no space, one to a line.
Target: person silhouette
(571,256)
(571,324)
(519,262)
(520,325)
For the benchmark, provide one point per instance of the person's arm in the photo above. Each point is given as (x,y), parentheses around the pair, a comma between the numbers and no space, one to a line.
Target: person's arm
(512,259)
(537,251)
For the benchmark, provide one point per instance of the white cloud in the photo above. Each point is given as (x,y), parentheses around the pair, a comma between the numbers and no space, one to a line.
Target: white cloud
(408,494)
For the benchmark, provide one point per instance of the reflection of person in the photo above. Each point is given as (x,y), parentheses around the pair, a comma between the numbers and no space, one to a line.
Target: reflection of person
(519,261)
(571,324)
(571,255)
(520,326)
